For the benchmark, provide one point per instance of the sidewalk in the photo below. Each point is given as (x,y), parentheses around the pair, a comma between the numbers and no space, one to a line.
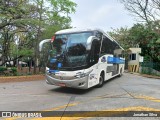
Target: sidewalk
(21,78)
(145,75)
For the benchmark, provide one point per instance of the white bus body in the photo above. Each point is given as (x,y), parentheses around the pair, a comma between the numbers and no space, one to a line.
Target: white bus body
(83,58)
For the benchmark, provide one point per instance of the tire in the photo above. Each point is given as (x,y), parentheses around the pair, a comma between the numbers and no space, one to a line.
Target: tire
(101,80)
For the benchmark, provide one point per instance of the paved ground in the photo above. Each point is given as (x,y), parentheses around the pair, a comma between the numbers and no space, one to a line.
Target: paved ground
(127,93)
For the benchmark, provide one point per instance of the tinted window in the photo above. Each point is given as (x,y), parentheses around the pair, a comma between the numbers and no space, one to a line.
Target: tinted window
(94,53)
(69,50)
(133,56)
(108,46)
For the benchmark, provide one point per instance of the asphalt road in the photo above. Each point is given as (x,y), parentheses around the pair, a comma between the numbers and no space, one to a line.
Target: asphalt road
(127,93)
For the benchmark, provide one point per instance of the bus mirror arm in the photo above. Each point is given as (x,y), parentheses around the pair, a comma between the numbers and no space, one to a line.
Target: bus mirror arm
(42,42)
(89,42)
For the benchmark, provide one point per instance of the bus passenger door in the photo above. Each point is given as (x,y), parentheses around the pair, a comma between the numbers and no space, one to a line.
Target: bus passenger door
(94,53)
(93,60)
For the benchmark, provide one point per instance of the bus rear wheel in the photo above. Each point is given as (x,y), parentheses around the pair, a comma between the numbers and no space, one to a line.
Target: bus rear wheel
(101,80)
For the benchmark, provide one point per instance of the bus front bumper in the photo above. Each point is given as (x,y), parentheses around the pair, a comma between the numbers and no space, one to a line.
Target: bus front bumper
(80,83)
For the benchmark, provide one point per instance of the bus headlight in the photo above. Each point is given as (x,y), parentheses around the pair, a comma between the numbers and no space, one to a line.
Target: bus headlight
(81,74)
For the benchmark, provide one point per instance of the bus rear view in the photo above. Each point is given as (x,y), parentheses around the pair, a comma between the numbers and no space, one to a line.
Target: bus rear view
(75,59)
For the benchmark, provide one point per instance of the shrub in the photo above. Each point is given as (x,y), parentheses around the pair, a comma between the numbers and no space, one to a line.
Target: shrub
(14,70)
(2,69)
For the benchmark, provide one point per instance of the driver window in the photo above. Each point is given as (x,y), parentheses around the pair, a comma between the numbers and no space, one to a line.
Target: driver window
(94,55)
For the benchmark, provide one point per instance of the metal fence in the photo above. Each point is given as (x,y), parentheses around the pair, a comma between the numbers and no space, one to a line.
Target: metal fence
(150,68)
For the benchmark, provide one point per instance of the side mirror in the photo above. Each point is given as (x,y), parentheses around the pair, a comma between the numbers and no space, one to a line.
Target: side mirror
(89,42)
(42,42)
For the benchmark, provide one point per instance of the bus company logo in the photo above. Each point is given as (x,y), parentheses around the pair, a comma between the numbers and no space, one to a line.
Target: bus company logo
(103,59)
(6,114)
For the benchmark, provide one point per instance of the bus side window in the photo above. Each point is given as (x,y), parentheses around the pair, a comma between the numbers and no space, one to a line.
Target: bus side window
(107,47)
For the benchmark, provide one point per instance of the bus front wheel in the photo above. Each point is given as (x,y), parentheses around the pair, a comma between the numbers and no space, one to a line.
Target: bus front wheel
(101,80)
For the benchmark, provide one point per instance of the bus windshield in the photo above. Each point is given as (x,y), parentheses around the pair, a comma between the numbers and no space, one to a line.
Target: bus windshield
(69,50)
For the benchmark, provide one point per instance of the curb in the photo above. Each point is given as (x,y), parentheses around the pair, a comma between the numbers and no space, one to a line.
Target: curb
(145,75)
(21,78)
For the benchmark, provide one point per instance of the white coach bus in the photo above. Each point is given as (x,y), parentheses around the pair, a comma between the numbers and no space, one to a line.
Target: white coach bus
(82,58)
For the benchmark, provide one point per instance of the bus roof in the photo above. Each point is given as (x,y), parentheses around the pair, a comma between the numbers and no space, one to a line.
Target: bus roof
(75,30)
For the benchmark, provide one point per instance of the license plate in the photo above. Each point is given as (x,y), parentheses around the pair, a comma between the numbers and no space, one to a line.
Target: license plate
(61,84)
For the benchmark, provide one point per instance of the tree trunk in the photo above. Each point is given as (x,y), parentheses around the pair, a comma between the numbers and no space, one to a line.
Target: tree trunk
(36,56)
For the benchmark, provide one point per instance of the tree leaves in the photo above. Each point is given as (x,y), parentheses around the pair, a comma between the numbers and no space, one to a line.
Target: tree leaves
(29,22)
(142,35)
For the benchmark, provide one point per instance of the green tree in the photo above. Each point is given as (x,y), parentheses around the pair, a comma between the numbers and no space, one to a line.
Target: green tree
(141,35)
(122,37)
(29,22)
(14,19)
(50,20)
